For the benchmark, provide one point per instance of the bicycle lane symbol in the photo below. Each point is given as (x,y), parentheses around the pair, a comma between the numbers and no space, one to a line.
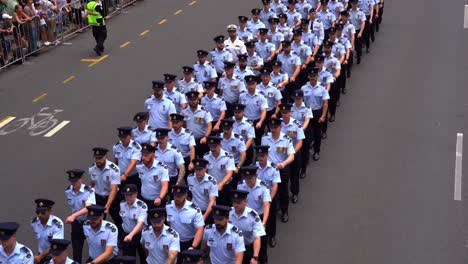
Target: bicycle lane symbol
(40,123)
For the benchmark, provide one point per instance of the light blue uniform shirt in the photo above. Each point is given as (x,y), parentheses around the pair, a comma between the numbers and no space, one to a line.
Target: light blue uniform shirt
(151,179)
(197,121)
(332,64)
(202,190)
(145,136)
(183,141)
(103,179)
(159,111)
(303,8)
(338,49)
(204,72)
(348,30)
(67,261)
(223,248)
(176,97)
(326,17)
(345,42)
(52,230)
(302,50)
(244,34)
(241,73)
(125,155)
(158,247)
(310,39)
(366,6)
(356,18)
(278,78)
(249,223)
(218,57)
(20,255)
(258,195)
(106,236)
(280,149)
(293,130)
(266,14)
(254,61)
(215,105)
(286,30)
(231,88)
(79,200)
(271,93)
(317,28)
(264,49)
(253,104)
(289,62)
(293,18)
(269,175)
(217,167)
(313,3)
(301,113)
(254,26)
(172,157)
(234,145)
(336,7)
(314,95)
(244,128)
(278,8)
(137,212)
(276,37)
(325,77)
(185,220)
(191,86)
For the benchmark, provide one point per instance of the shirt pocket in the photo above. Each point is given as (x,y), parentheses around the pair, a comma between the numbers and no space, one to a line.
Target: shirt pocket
(185,220)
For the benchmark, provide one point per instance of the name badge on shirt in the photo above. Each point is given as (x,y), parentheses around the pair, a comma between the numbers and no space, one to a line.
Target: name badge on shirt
(292,133)
(229,246)
(223,167)
(155,177)
(103,242)
(206,74)
(270,94)
(234,87)
(134,216)
(234,148)
(260,197)
(205,191)
(281,149)
(166,247)
(244,132)
(107,177)
(211,242)
(199,120)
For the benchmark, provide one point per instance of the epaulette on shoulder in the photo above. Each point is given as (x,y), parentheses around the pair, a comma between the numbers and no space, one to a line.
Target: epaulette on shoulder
(117,143)
(237,230)
(173,232)
(69,187)
(188,131)
(263,184)
(236,135)
(111,227)
(26,251)
(86,222)
(114,167)
(250,121)
(147,227)
(88,188)
(209,226)
(57,223)
(194,206)
(212,180)
(162,164)
(297,123)
(34,220)
(255,215)
(142,204)
(175,148)
(136,145)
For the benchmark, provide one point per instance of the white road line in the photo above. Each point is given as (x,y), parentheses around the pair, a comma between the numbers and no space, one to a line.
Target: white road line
(56,129)
(6,121)
(457,192)
(465,21)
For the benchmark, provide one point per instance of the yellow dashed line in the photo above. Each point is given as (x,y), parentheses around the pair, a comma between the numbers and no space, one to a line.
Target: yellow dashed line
(69,79)
(162,21)
(5,118)
(144,32)
(98,61)
(178,12)
(125,44)
(192,3)
(39,97)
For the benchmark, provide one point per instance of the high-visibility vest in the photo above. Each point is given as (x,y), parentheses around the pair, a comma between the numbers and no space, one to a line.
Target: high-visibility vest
(93,15)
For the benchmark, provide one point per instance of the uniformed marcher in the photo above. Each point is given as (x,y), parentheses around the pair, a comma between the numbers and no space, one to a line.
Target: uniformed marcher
(214,104)
(254,61)
(11,251)
(221,167)
(188,82)
(336,7)
(255,106)
(310,38)
(124,260)
(204,70)
(46,226)
(291,64)
(358,19)
(268,173)
(316,97)
(316,25)
(97,21)
(255,23)
(79,196)
(193,256)
(244,127)
(279,78)
(275,35)
(233,43)
(154,177)
(303,7)
(243,32)
(177,98)
(333,65)
(159,107)
(326,17)
(203,187)
(278,7)
(186,218)
(160,241)
(59,252)
(219,55)
(143,133)
(170,156)
(281,153)
(182,139)
(259,200)
(222,241)
(304,52)
(249,222)
(101,235)
(271,93)
(127,153)
(367,7)
(284,28)
(198,119)
(230,87)
(233,143)
(133,212)
(105,179)
(346,64)
(266,12)
(294,17)
(242,69)
(265,49)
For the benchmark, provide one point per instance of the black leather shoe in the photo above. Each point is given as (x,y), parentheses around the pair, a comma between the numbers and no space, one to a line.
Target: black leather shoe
(324,135)
(331,119)
(343,91)
(302,175)
(295,199)
(272,242)
(97,51)
(284,217)
(316,156)
(359,60)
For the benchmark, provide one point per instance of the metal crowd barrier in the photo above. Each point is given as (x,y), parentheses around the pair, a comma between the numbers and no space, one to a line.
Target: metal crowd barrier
(10,48)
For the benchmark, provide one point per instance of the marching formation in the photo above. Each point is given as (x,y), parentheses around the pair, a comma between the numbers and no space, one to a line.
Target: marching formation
(217,156)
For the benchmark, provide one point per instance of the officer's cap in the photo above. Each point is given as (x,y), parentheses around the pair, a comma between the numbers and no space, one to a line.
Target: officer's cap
(176,117)
(158,84)
(266,2)
(129,189)
(124,131)
(169,77)
(219,38)
(229,65)
(277,63)
(261,150)
(214,140)
(147,148)
(238,107)
(242,57)
(344,13)
(265,71)
(286,43)
(273,20)
(297,94)
(99,152)
(157,214)
(283,15)
(187,69)
(243,19)
(339,26)
(263,31)
(57,246)
(43,204)
(124,260)
(192,256)
(238,195)
(305,21)
(7,229)
(140,116)
(313,71)
(248,171)
(324,2)
(179,189)
(319,58)
(353,1)
(332,30)
(199,163)
(209,84)
(220,212)
(328,43)
(75,174)
(95,211)
(231,27)
(312,10)
(202,53)
(297,32)
(284,108)
(292,2)
(250,44)
(192,95)
(255,11)
(274,122)
(162,132)
(250,79)
(227,123)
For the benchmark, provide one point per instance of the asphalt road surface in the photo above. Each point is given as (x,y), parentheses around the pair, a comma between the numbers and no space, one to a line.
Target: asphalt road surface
(383,191)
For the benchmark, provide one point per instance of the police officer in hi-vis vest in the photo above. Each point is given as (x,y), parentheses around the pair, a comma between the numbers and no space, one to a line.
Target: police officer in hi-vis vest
(96,19)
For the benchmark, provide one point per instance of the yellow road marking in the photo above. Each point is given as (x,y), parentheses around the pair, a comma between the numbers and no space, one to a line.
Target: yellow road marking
(6,120)
(144,32)
(56,129)
(69,79)
(88,60)
(98,60)
(178,12)
(162,21)
(39,97)
(192,3)
(125,44)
